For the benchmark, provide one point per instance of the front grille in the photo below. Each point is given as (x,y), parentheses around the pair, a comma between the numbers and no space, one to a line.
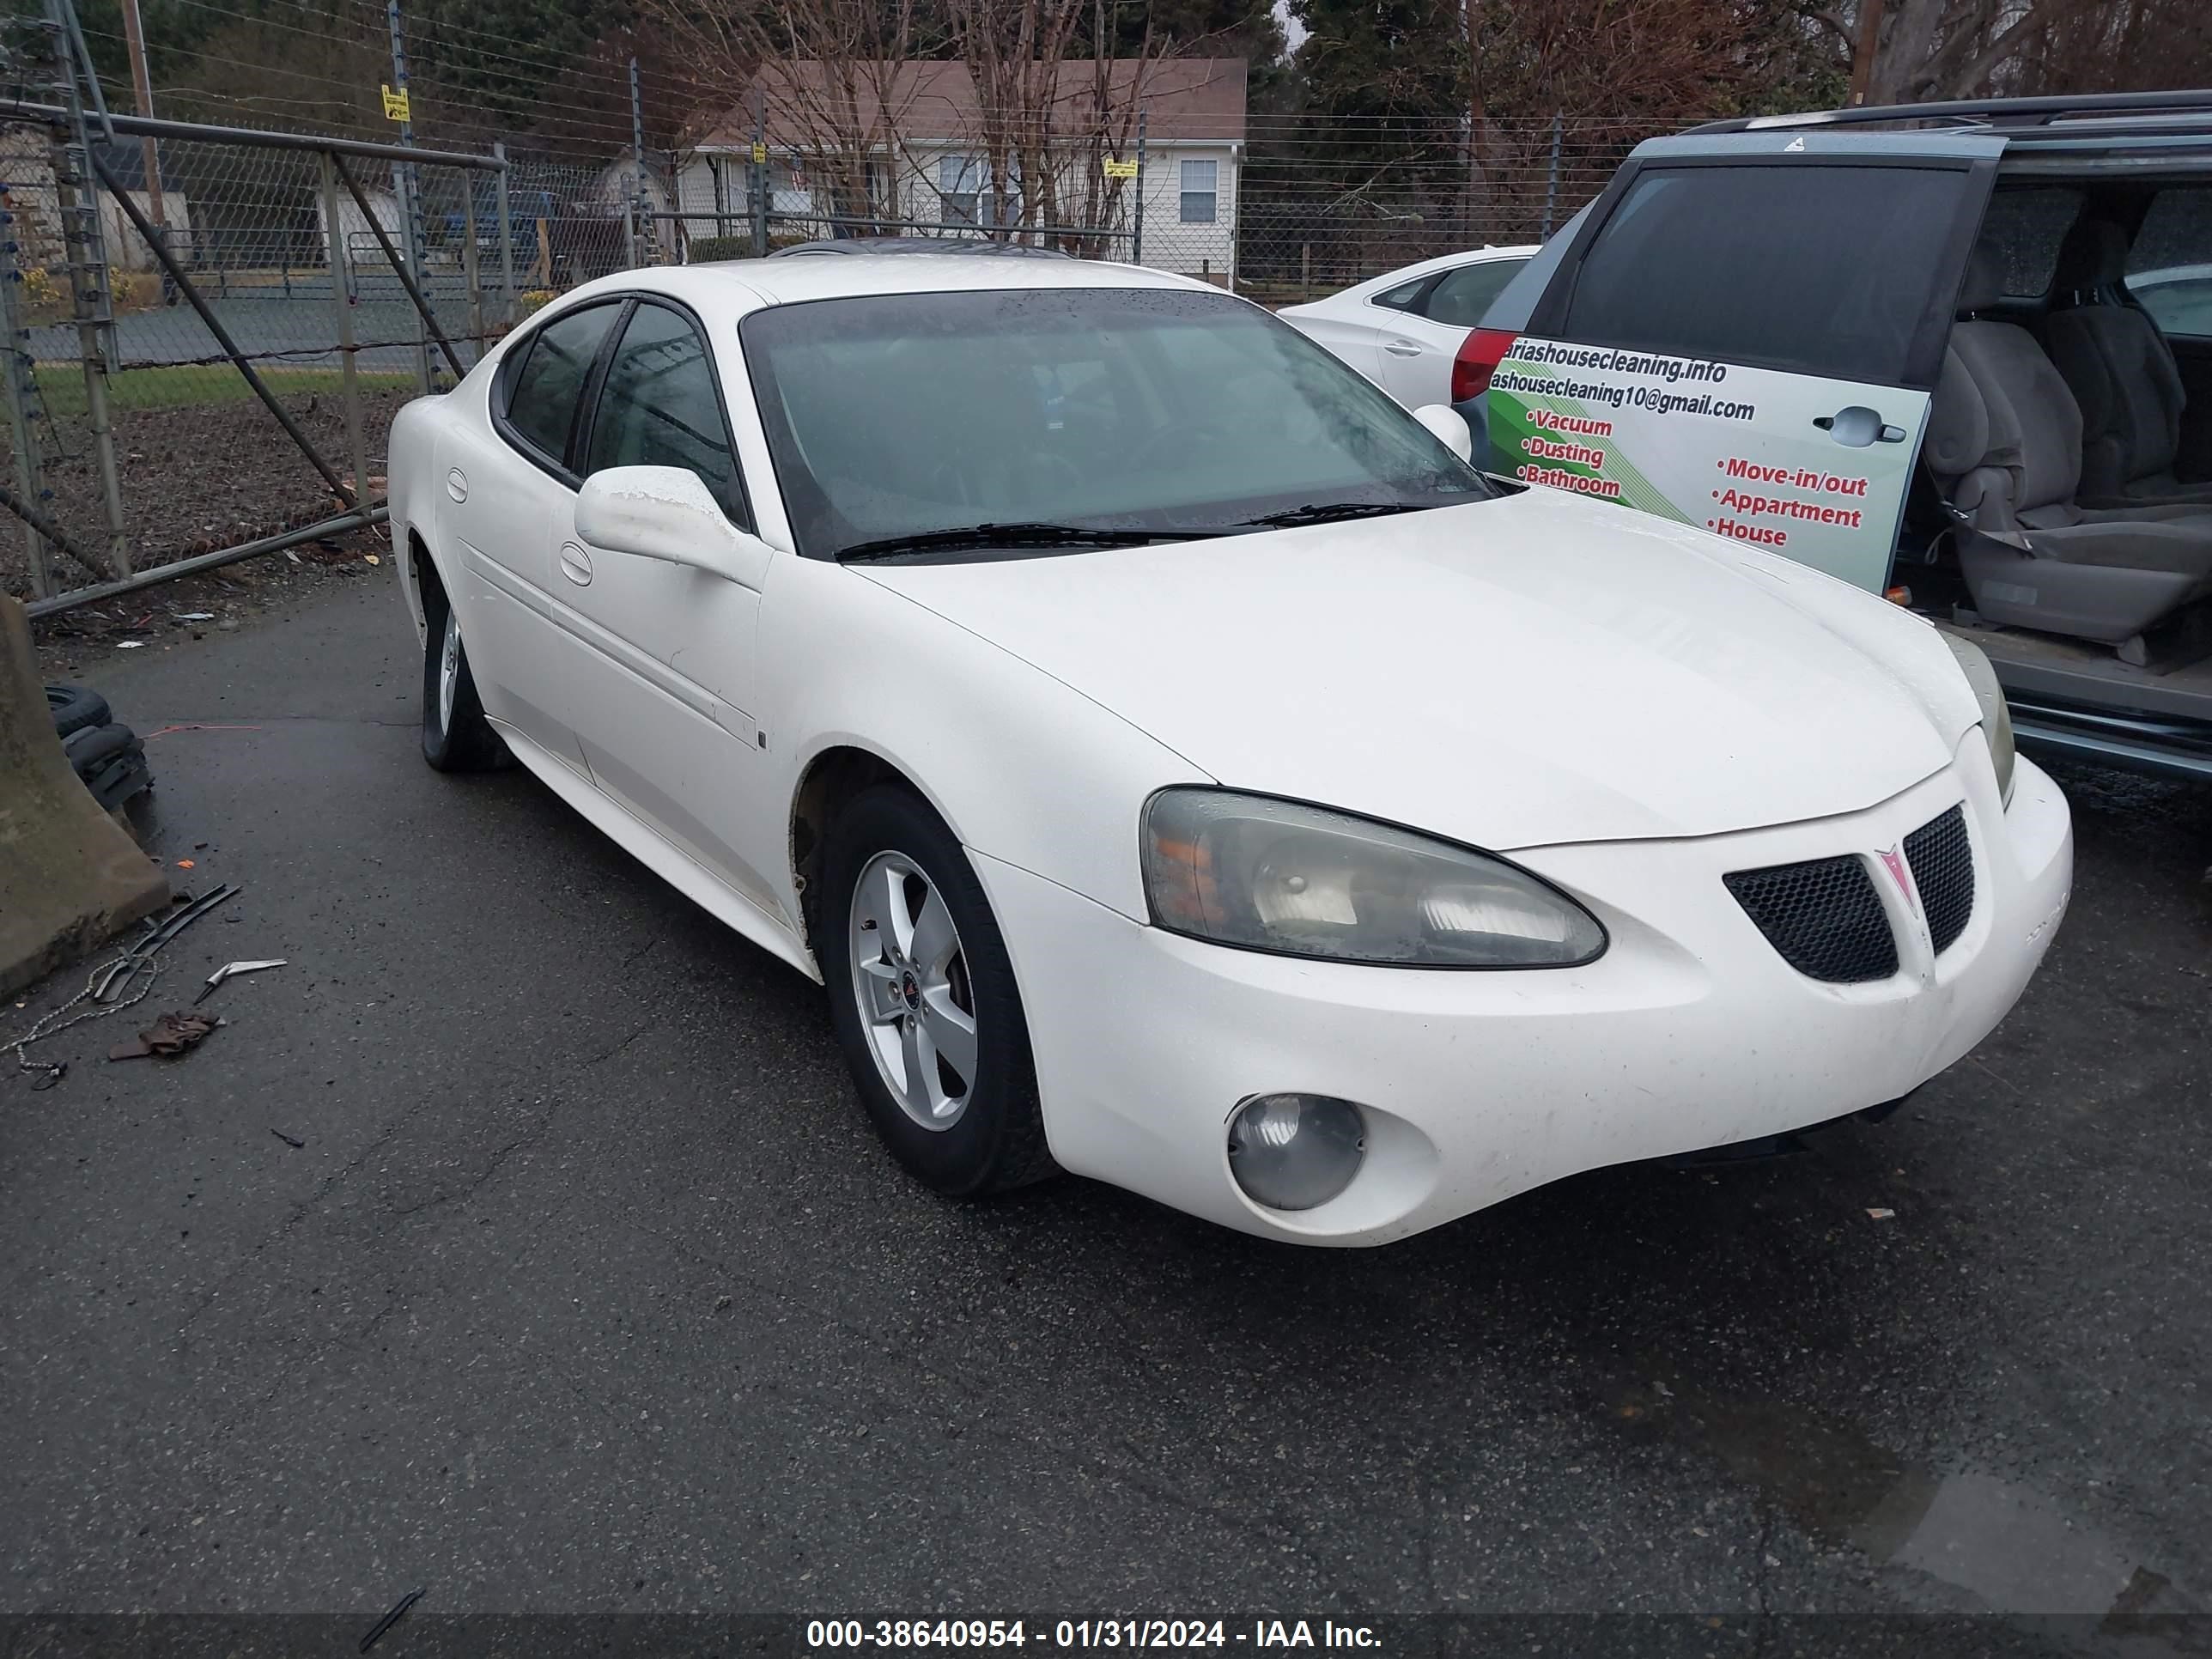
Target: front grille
(1824,917)
(1942,861)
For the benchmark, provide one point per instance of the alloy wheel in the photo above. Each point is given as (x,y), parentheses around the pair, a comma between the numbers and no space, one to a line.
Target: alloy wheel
(910,981)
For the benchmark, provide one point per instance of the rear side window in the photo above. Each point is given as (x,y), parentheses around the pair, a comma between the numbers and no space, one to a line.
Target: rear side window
(541,406)
(2025,228)
(2170,262)
(1816,269)
(1402,297)
(1460,298)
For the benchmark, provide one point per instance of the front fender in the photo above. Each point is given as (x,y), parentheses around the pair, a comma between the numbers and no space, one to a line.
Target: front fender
(1024,768)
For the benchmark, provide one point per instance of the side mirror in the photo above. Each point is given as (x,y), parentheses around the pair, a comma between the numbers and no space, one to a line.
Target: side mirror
(1448,428)
(665,513)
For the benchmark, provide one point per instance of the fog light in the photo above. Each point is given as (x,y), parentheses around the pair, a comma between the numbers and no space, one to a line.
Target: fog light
(1295,1151)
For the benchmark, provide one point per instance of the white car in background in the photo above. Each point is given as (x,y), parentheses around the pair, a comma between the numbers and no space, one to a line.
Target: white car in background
(2177,297)
(1404,330)
(1181,767)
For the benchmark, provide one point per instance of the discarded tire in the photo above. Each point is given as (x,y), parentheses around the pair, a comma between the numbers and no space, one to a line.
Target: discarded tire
(75,708)
(111,759)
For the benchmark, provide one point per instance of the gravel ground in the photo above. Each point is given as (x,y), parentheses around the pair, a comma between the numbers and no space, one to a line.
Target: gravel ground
(196,479)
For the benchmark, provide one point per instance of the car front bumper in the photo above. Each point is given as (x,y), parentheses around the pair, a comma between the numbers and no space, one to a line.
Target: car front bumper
(1690,1032)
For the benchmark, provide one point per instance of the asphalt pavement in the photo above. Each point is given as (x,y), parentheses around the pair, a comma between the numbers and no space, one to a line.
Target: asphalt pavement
(589,1290)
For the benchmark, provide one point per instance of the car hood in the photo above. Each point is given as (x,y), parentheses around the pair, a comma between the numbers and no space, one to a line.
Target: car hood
(1512,673)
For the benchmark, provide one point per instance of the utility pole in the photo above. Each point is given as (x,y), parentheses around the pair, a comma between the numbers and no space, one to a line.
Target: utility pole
(410,203)
(142,94)
(1863,56)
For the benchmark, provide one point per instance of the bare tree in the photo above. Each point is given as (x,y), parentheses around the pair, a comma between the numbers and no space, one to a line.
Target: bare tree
(833,71)
(1911,50)
(1047,120)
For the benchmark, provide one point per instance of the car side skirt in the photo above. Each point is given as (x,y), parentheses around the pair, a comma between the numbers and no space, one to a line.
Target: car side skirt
(657,854)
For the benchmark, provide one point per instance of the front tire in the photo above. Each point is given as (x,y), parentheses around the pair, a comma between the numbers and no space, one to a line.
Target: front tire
(456,736)
(923,1000)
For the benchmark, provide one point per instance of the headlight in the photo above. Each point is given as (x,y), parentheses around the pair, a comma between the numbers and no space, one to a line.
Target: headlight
(1271,875)
(1996,717)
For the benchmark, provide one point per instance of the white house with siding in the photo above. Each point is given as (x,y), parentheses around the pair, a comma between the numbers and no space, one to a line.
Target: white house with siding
(925,165)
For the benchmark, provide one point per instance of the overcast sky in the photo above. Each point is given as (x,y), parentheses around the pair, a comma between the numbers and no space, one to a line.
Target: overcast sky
(1292,29)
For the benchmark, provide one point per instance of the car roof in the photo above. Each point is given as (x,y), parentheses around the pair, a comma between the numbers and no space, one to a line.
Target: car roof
(784,282)
(793,281)
(866,246)
(1420,268)
(2077,127)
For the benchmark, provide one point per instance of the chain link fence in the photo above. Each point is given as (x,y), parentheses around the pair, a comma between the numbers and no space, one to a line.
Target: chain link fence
(208,330)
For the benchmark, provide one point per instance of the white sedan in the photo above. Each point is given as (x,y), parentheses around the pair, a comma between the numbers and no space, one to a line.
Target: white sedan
(1181,768)
(1404,330)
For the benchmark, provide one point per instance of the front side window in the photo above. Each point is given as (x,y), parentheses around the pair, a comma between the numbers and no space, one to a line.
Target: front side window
(1199,197)
(1103,408)
(1462,297)
(1815,269)
(541,399)
(660,407)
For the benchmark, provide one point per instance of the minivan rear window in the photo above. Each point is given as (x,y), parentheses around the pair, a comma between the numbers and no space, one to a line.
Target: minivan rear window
(1814,269)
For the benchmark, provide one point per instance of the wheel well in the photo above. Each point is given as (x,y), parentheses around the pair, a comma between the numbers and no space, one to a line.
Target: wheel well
(834,777)
(426,568)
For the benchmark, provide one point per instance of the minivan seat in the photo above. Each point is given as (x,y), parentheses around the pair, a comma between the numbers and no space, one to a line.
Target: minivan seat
(2004,446)
(2122,372)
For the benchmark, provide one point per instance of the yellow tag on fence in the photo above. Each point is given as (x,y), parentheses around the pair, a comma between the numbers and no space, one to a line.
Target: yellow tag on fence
(395,105)
(1120,169)
(760,156)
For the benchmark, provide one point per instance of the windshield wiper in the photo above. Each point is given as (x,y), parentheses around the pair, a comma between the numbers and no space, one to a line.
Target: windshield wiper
(1331,512)
(1016,535)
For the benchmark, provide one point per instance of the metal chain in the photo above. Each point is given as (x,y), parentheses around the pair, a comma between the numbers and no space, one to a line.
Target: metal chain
(51,1071)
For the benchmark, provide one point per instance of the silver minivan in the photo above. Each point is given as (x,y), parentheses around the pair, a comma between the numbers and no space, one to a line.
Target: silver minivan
(1908,347)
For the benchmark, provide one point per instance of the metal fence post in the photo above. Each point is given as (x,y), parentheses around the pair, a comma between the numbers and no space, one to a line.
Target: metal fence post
(1551,186)
(23,390)
(77,202)
(342,295)
(759,164)
(410,204)
(1137,236)
(471,267)
(506,244)
(639,224)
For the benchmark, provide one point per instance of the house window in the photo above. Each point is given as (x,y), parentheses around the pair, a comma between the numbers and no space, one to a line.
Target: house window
(1198,197)
(959,183)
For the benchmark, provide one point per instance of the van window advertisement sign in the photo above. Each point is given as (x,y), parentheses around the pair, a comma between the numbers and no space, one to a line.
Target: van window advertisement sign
(1810,468)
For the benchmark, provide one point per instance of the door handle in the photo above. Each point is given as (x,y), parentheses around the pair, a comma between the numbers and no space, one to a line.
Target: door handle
(575,564)
(1402,349)
(457,484)
(1856,427)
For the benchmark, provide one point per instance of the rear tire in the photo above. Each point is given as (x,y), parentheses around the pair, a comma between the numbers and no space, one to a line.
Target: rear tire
(456,736)
(923,999)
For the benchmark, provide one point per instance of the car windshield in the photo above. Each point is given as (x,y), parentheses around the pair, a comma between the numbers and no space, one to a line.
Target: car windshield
(1162,410)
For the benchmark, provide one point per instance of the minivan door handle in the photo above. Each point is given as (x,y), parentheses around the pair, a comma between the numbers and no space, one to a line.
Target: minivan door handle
(1401,348)
(1856,427)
